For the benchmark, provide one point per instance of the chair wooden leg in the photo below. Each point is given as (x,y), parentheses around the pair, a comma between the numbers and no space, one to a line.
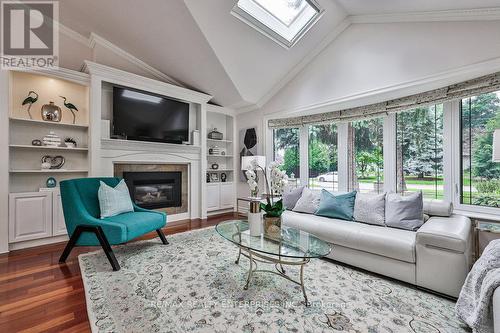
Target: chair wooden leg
(97,230)
(162,236)
(71,243)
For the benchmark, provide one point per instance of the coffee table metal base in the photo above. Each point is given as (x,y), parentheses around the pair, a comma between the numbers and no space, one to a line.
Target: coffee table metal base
(278,262)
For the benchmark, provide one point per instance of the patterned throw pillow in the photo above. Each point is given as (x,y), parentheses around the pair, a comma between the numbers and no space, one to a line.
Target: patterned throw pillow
(308,202)
(114,201)
(370,209)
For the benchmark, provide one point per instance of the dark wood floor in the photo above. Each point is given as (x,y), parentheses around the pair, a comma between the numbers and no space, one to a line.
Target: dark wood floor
(37,294)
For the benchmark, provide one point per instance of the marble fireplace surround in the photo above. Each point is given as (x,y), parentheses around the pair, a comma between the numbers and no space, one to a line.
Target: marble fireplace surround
(118,156)
(120,168)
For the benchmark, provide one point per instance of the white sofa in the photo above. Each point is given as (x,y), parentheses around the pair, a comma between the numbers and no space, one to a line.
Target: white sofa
(437,256)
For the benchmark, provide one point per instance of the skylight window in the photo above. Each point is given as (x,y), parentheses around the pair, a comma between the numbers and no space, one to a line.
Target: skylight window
(284,21)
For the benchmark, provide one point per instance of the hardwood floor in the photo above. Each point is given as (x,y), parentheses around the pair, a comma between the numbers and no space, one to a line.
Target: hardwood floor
(37,294)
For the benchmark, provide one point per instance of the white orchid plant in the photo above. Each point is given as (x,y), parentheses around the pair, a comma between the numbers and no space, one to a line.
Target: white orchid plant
(275,185)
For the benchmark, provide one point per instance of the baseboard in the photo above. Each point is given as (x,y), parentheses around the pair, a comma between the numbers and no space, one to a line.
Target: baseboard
(37,242)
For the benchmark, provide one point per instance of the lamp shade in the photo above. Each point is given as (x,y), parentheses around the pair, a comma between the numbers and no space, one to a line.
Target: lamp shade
(496,145)
(246,161)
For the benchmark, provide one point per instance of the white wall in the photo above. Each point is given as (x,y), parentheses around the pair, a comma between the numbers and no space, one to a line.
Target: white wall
(244,121)
(366,57)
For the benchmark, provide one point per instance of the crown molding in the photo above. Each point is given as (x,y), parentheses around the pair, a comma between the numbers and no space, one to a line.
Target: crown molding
(74,35)
(420,85)
(119,76)
(98,40)
(479,14)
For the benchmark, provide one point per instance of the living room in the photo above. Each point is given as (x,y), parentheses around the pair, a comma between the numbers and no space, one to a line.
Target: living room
(250,166)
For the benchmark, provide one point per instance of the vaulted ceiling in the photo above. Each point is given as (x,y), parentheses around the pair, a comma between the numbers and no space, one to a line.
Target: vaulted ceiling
(200,44)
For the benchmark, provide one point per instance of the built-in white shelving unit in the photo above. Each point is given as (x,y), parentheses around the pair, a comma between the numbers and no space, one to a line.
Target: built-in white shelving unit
(35,212)
(221,196)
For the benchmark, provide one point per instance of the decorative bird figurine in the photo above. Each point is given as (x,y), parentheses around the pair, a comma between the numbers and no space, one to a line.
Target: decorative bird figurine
(30,100)
(70,107)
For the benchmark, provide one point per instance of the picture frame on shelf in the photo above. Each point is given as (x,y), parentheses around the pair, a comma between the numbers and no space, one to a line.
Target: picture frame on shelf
(214,177)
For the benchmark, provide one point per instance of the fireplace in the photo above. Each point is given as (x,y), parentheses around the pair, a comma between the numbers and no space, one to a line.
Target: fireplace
(153,190)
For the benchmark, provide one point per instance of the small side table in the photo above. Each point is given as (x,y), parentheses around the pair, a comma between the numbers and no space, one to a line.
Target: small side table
(246,199)
(491,231)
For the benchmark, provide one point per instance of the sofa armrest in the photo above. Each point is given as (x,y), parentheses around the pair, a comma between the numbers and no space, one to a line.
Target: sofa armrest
(448,233)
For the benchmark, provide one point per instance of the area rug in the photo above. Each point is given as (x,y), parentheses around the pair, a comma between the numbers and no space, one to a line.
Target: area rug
(194,285)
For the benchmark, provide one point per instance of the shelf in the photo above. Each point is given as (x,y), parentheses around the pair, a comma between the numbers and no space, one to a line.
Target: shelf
(223,141)
(219,170)
(47,147)
(48,171)
(48,123)
(218,155)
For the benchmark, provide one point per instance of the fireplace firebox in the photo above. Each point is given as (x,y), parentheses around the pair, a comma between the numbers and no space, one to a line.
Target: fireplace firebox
(153,190)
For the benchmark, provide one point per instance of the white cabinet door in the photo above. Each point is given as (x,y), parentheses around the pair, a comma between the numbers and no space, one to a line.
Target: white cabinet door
(226,195)
(30,216)
(213,197)
(58,226)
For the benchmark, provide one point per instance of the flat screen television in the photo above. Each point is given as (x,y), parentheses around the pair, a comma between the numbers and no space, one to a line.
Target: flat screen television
(144,116)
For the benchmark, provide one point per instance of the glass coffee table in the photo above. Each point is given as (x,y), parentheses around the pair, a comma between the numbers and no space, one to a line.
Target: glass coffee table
(294,247)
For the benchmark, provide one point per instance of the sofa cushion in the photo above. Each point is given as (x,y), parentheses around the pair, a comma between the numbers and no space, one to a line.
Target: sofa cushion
(291,195)
(336,206)
(370,209)
(404,212)
(308,202)
(388,242)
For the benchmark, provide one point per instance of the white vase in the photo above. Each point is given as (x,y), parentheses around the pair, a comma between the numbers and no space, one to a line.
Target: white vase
(255,223)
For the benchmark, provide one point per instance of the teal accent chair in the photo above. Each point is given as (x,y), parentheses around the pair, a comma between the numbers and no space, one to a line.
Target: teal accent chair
(86,228)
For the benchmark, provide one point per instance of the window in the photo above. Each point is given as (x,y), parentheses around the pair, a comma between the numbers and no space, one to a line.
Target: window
(284,21)
(286,151)
(480,176)
(366,167)
(419,151)
(323,157)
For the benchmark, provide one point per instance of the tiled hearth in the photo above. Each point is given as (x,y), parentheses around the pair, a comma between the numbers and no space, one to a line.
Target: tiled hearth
(120,168)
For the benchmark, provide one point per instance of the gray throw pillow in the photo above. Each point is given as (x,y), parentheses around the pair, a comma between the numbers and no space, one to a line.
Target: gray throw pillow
(308,202)
(291,195)
(370,209)
(404,212)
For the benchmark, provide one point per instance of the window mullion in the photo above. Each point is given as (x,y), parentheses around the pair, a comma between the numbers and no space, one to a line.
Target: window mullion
(390,172)
(451,162)
(304,154)
(343,156)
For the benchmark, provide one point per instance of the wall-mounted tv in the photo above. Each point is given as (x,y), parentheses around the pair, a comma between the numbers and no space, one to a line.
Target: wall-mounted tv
(144,116)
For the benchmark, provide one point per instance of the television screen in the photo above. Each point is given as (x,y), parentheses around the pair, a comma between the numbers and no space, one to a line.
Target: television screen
(143,116)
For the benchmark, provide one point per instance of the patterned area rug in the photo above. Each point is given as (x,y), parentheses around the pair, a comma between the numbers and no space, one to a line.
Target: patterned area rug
(193,285)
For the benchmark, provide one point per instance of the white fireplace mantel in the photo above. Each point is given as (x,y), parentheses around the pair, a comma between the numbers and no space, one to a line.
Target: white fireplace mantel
(104,153)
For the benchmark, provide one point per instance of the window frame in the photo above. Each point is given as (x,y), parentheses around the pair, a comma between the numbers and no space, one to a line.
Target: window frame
(255,23)
(451,158)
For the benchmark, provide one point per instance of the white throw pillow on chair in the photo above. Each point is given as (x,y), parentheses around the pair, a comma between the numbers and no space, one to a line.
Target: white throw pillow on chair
(114,201)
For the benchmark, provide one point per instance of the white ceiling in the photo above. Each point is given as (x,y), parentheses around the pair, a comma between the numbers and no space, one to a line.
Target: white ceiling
(200,44)
(367,7)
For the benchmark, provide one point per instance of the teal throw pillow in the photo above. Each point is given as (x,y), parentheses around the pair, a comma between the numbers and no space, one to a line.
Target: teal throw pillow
(337,206)
(114,201)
